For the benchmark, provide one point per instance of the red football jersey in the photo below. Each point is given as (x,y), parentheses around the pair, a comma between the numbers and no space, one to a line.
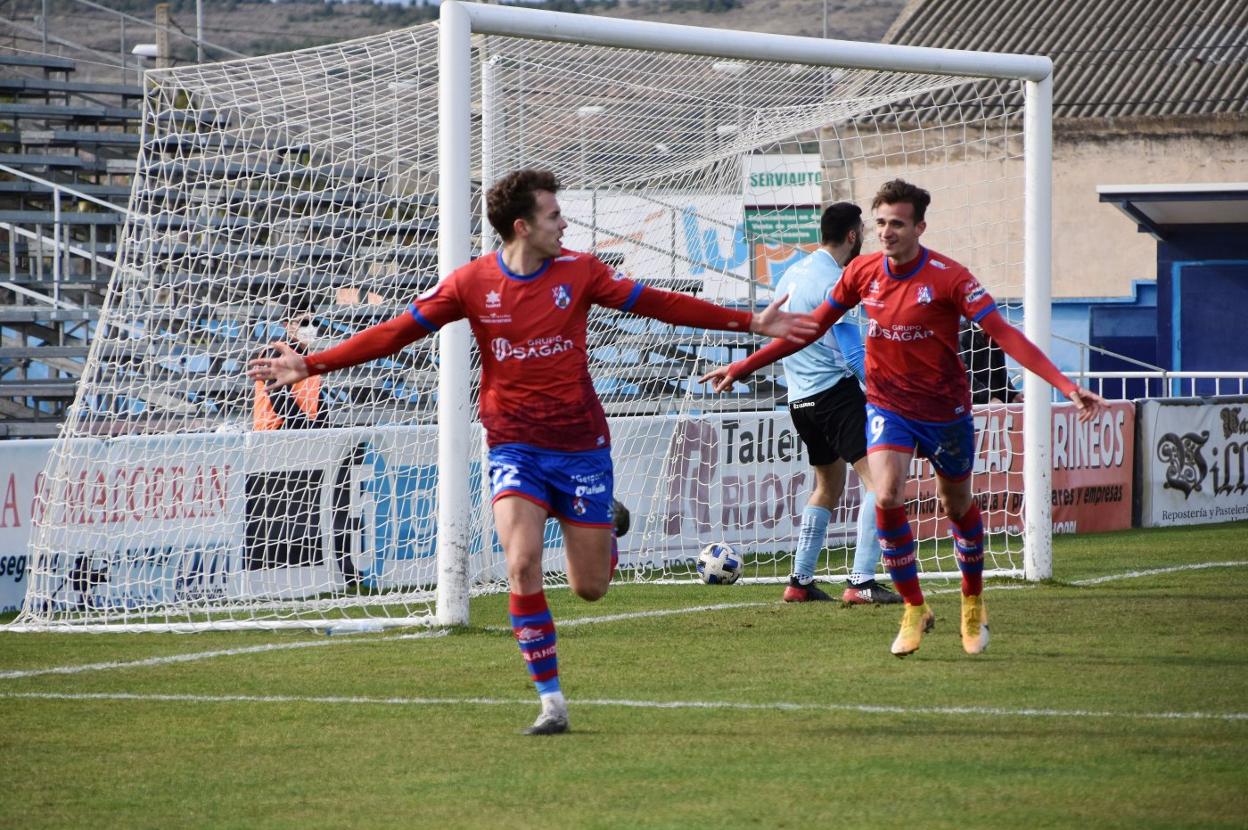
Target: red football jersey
(530,330)
(912,364)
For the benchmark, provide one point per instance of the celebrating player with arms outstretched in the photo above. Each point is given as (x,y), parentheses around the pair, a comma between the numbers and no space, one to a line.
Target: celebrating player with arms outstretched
(549,446)
(918,396)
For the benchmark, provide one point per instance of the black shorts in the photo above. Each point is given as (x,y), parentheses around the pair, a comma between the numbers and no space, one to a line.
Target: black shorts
(833,423)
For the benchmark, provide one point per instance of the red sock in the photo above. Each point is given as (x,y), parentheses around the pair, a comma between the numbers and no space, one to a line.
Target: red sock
(968,545)
(899,552)
(534,628)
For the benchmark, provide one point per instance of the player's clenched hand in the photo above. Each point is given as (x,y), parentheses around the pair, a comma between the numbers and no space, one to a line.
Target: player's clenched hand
(1087,402)
(287,368)
(773,322)
(720,379)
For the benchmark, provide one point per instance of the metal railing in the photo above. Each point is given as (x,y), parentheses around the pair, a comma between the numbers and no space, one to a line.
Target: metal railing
(60,244)
(1150,381)
(1166,384)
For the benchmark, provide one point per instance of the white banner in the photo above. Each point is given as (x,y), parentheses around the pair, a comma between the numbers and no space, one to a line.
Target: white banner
(1193,461)
(783,180)
(737,478)
(678,241)
(289,514)
(140,521)
(21,467)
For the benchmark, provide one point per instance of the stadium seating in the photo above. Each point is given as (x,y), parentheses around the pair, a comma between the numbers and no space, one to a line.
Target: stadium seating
(273,243)
(83,136)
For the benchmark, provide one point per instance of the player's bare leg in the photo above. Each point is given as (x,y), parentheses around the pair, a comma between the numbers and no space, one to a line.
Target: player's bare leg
(968,539)
(889,471)
(520,524)
(589,559)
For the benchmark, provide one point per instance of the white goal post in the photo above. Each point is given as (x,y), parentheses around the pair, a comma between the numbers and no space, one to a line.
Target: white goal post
(460,21)
(325,188)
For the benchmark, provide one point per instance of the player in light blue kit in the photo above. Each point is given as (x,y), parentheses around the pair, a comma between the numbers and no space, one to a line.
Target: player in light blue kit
(829,410)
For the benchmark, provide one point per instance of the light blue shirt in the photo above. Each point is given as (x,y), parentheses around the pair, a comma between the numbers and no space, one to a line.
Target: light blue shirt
(838,354)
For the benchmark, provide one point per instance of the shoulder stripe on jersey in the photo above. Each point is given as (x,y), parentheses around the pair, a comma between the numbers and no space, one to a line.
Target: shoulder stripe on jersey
(984,312)
(627,305)
(420,318)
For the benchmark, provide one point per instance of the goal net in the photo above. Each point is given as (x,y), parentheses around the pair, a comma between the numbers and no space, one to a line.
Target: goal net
(300,197)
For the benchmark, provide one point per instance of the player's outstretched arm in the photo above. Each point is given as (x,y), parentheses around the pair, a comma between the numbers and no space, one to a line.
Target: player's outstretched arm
(376,341)
(774,321)
(1014,343)
(722,378)
(683,310)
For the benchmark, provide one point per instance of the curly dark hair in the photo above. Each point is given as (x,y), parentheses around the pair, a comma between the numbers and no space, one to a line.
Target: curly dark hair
(514,196)
(897,191)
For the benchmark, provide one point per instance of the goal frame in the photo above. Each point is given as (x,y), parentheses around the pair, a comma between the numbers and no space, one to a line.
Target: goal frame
(459,21)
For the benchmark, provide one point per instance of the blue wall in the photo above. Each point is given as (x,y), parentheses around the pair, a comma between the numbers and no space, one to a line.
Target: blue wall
(1202,299)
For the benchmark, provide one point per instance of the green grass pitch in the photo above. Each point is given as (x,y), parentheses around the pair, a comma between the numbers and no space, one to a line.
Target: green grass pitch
(1115,695)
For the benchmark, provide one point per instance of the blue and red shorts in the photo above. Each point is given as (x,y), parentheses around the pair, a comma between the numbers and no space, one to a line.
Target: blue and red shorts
(950,446)
(575,486)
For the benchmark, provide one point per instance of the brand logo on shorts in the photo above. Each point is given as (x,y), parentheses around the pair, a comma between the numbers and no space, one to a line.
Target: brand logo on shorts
(563,295)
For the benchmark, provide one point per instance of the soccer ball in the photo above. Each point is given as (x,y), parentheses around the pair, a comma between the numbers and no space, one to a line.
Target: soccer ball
(719,564)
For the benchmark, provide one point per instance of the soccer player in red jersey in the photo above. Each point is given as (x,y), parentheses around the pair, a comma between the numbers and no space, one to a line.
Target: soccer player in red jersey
(549,447)
(918,396)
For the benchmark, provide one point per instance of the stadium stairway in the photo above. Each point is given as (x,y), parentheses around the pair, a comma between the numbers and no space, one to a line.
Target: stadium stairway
(238,226)
(220,280)
(67,153)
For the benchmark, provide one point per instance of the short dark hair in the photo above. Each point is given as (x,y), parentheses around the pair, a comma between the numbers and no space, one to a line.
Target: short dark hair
(838,220)
(897,191)
(514,196)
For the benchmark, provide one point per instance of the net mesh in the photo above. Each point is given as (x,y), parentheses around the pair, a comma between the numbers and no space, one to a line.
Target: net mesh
(294,197)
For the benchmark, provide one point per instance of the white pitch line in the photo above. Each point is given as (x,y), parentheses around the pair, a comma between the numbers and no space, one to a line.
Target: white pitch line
(1200,566)
(206,655)
(578,621)
(779,706)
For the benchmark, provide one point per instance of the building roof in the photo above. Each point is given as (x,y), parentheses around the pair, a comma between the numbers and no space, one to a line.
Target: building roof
(1157,208)
(1112,58)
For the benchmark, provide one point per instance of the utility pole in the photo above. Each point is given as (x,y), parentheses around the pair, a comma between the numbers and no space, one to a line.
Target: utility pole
(162,36)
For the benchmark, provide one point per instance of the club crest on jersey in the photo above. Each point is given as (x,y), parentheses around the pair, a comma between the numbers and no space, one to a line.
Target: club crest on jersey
(924,295)
(563,295)
(493,299)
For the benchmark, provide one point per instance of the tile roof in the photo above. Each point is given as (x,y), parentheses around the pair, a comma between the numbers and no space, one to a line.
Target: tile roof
(1112,58)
